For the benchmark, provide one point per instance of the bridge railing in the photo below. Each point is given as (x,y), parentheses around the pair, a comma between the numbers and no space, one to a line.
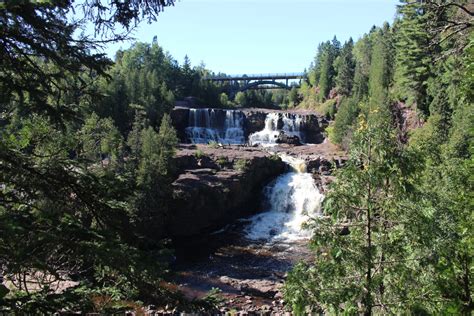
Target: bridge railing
(290,75)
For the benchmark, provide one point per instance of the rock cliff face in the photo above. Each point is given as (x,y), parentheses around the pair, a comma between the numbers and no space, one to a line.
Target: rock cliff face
(218,185)
(180,119)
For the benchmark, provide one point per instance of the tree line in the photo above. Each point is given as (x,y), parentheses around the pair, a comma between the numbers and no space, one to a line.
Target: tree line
(86,147)
(395,235)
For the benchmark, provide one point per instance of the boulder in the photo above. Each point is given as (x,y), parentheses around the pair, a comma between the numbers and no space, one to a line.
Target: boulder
(288,139)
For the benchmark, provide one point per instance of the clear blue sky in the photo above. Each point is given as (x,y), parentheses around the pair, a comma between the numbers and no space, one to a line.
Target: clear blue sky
(259,36)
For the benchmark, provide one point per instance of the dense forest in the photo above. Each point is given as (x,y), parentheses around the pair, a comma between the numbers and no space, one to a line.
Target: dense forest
(86,148)
(396,235)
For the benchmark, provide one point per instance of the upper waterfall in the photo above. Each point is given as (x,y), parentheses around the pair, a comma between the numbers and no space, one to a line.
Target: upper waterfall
(207,125)
(291,125)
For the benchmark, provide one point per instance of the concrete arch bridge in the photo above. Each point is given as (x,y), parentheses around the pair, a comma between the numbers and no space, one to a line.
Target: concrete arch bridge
(244,82)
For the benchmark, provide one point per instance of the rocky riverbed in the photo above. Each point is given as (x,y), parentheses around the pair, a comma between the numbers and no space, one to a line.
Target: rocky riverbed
(217,191)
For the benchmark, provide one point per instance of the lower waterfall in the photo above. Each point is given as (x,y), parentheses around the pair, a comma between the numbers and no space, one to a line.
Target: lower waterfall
(291,200)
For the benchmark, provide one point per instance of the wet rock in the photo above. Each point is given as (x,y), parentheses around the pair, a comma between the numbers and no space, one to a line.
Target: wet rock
(260,288)
(288,139)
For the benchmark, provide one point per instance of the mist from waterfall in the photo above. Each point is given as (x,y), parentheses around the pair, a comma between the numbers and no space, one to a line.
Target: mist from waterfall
(205,125)
(291,200)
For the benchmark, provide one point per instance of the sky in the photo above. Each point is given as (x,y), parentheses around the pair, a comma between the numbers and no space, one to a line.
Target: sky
(259,36)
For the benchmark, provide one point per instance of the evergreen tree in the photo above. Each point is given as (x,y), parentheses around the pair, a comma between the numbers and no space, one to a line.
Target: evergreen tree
(101,139)
(62,216)
(329,53)
(154,178)
(414,54)
(362,263)
(446,229)
(362,55)
(344,66)
(380,68)
(343,124)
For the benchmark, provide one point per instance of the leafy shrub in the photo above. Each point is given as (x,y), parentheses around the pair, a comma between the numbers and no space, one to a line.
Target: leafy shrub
(241,164)
(199,153)
(213,144)
(345,118)
(222,161)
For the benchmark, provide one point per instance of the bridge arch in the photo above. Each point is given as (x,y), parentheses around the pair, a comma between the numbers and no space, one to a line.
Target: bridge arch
(254,84)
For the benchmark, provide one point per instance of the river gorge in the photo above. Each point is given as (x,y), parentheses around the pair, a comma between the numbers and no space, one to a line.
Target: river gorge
(246,182)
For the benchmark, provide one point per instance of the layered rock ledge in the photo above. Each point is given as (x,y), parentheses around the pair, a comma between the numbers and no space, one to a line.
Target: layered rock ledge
(218,185)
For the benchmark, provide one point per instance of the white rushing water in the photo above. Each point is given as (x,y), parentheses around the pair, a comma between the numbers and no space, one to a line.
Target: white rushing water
(205,126)
(269,134)
(292,199)
(292,124)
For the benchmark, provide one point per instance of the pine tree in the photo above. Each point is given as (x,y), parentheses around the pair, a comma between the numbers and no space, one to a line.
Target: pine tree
(361,260)
(154,178)
(362,55)
(446,229)
(414,54)
(344,66)
(343,124)
(329,53)
(380,68)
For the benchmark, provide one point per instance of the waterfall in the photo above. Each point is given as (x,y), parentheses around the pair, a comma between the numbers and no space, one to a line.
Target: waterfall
(292,124)
(269,134)
(206,125)
(292,199)
(234,132)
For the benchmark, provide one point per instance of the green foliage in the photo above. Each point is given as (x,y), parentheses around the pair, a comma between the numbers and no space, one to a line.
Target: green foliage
(254,98)
(213,144)
(329,53)
(414,54)
(154,178)
(241,164)
(224,99)
(66,193)
(365,270)
(222,162)
(293,97)
(99,138)
(362,56)
(396,232)
(328,108)
(199,153)
(345,119)
(380,68)
(344,67)
(240,99)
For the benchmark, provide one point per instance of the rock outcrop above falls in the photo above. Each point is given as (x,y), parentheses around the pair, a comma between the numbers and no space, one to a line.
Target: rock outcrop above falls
(218,185)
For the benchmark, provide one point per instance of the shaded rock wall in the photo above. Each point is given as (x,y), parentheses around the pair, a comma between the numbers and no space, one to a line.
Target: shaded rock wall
(217,186)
